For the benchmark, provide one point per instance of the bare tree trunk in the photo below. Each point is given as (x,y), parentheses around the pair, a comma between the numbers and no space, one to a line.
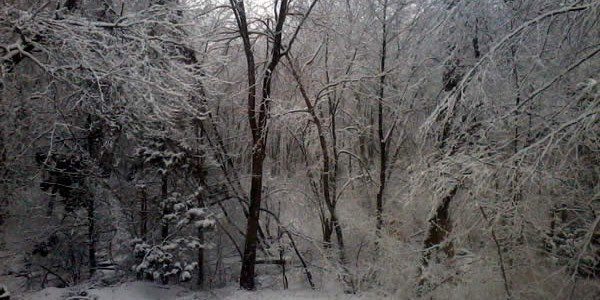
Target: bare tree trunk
(143,214)
(200,280)
(92,142)
(258,126)
(380,130)
(200,201)
(258,123)
(249,257)
(325,176)
(164,193)
(51,201)
(91,234)
(332,105)
(440,226)
(516,193)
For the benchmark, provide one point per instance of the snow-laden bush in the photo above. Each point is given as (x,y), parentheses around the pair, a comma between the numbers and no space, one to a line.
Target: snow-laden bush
(173,257)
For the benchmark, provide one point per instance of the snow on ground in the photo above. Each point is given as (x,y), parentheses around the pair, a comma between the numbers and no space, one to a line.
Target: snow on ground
(236,294)
(151,291)
(126,291)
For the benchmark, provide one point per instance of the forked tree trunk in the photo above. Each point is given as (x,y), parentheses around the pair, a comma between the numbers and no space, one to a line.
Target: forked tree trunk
(326,178)
(258,117)
(249,256)
(258,125)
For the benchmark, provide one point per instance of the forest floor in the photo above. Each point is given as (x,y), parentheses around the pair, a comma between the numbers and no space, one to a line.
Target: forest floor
(150,291)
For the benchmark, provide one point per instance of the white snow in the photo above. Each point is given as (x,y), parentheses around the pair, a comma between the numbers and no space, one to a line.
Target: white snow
(151,291)
(125,291)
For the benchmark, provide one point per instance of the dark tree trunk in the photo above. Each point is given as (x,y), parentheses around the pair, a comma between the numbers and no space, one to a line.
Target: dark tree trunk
(249,259)
(52,200)
(200,200)
(93,137)
(200,279)
(380,131)
(164,188)
(440,226)
(143,214)
(258,117)
(326,179)
(91,235)
(258,124)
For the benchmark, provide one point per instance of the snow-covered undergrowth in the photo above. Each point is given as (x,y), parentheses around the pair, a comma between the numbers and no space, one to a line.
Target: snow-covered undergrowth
(150,291)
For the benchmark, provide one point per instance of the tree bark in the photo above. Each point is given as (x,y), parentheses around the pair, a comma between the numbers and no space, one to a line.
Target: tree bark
(92,141)
(200,201)
(249,259)
(143,214)
(440,226)
(258,126)
(91,235)
(258,123)
(325,178)
(164,193)
(380,131)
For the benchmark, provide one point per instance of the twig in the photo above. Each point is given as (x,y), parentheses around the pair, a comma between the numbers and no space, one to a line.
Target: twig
(499,251)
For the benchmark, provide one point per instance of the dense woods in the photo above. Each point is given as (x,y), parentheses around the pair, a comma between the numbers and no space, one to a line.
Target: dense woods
(435,149)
